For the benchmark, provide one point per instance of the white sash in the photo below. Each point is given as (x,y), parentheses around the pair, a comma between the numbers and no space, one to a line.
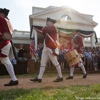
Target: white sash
(57,49)
(9,26)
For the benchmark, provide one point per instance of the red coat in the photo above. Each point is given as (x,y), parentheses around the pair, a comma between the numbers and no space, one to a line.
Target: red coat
(79,42)
(3,29)
(52,31)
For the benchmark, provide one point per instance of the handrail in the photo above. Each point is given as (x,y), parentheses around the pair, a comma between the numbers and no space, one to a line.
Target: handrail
(24,34)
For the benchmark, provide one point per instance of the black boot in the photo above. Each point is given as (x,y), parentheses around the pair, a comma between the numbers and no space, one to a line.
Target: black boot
(58,79)
(36,80)
(69,77)
(84,75)
(11,83)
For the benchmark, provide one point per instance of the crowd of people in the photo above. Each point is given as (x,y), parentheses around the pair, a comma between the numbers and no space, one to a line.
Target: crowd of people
(91,57)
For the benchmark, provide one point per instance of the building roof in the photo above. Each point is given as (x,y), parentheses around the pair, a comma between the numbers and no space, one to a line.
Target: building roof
(54,10)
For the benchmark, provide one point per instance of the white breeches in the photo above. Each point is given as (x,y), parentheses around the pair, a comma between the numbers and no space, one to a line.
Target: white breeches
(6,49)
(48,55)
(5,60)
(80,64)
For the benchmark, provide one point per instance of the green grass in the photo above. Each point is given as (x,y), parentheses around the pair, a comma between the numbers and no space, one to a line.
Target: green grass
(89,92)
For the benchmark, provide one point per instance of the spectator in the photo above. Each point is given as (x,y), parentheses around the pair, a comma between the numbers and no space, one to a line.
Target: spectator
(40,48)
(62,58)
(95,60)
(88,55)
(21,53)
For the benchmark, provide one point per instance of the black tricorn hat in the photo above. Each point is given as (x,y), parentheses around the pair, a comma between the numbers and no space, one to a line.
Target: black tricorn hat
(48,19)
(4,11)
(51,20)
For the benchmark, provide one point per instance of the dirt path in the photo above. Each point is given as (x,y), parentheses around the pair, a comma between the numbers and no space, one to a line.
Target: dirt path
(48,82)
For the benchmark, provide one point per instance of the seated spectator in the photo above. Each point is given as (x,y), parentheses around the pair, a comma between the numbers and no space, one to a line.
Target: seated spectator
(21,53)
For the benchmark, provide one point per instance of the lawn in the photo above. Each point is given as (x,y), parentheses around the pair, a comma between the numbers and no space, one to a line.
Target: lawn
(88,92)
(62,92)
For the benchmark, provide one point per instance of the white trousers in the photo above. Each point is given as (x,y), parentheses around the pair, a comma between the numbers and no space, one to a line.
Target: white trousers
(7,50)
(46,54)
(5,60)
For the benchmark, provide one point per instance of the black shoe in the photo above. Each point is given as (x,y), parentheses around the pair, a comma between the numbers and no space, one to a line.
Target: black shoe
(69,77)
(11,83)
(36,79)
(58,79)
(85,75)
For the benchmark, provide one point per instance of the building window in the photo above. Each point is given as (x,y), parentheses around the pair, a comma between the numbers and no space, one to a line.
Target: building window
(65,17)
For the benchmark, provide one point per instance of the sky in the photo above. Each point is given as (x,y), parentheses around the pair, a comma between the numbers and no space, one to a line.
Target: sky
(21,9)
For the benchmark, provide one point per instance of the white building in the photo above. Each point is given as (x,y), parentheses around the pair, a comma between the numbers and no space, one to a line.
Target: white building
(66,17)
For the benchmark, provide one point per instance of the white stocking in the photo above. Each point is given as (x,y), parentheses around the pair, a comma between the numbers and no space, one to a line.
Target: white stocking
(71,71)
(10,70)
(82,67)
(59,71)
(42,69)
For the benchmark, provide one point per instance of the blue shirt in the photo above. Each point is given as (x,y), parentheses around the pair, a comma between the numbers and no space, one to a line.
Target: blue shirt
(88,54)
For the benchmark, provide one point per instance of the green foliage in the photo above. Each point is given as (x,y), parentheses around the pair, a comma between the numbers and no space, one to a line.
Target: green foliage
(90,92)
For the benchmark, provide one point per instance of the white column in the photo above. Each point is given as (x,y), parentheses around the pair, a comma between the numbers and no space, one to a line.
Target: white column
(92,40)
(35,36)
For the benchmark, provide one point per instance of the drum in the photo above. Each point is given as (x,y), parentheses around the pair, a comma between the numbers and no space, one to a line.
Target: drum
(73,58)
(7,36)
